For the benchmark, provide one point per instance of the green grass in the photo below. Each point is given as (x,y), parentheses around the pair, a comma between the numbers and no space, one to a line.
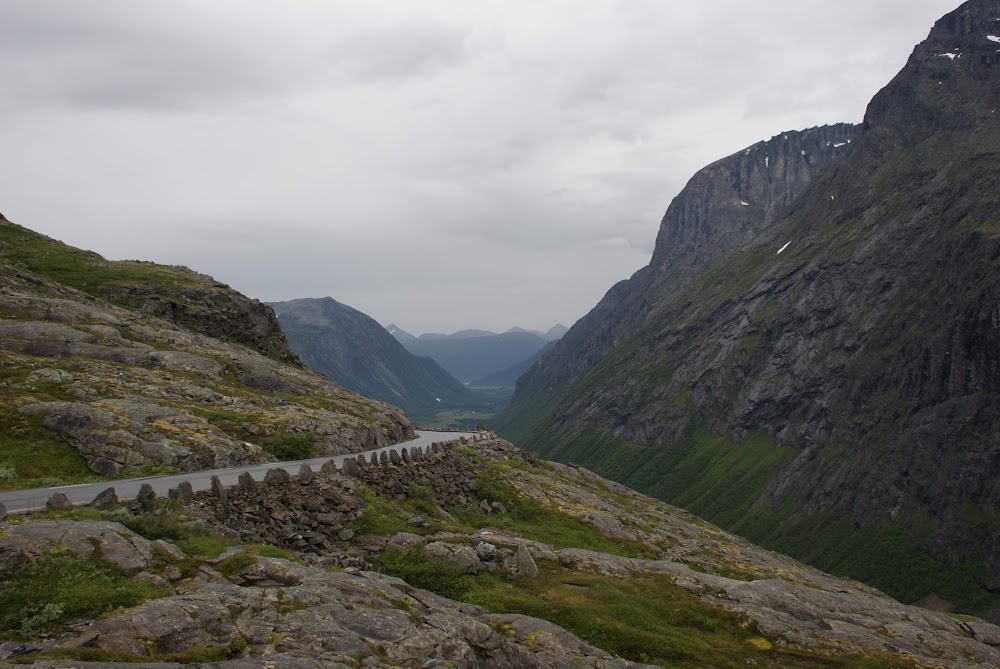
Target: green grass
(289,446)
(533,519)
(720,480)
(33,456)
(59,586)
(384,517)
(85,270)
(643,618)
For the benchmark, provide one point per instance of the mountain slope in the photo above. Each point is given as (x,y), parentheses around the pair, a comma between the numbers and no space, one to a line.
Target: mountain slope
(823,382)
(507,378)
(473,357)
(353,350)
(93,388)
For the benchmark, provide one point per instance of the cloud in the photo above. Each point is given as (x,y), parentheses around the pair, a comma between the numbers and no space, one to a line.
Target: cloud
(460,164)
(400,51)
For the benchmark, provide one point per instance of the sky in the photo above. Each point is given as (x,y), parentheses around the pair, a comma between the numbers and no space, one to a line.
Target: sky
(438,165)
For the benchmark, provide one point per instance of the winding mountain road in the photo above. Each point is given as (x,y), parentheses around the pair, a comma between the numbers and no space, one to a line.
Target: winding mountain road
(35,498)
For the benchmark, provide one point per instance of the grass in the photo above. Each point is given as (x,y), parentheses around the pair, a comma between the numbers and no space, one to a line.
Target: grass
(58,587)
(289,446)
(85,270)
(643,618)
(34,456)
(533,519)
(383,517)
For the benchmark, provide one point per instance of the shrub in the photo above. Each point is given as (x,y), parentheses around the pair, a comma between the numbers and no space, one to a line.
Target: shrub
(60,586)
(288,446)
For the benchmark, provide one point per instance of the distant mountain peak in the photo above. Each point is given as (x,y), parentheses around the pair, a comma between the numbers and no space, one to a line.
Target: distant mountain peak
(399,333)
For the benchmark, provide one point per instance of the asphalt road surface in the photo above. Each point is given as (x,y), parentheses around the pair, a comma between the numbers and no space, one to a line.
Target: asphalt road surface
(35,498)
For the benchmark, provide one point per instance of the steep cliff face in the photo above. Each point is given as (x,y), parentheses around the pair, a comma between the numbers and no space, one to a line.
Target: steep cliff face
(831,383)
(211,308)
(722,208)
(351,349)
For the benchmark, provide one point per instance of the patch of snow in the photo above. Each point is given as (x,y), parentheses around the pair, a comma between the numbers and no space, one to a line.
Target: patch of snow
(767,162)
(745,204)
(949,56)
(832,198)
(803,152)
(782,249)
(837,146)
(993,38)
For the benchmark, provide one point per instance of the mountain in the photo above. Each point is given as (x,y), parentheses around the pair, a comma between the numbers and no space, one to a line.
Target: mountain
(818,368)
(474,357)
(473,554)
(353,350)
(399,333)
(111,368)
(555,332)
(507,378)
(461,334)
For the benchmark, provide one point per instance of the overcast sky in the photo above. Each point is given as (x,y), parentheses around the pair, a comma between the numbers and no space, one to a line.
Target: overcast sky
(439,165)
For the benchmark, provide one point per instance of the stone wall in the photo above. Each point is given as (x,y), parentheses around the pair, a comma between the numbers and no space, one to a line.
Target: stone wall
(309,512)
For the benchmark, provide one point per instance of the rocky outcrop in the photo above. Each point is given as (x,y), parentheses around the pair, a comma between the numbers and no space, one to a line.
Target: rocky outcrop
(211,308)
(837,363)
(129,391)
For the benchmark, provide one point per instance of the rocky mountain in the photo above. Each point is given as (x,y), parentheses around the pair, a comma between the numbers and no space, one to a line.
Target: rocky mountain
(476,356)
(811,357)
(96,381)
(469,554)
(353,350)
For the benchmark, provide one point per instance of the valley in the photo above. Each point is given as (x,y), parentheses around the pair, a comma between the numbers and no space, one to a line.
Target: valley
(776,445)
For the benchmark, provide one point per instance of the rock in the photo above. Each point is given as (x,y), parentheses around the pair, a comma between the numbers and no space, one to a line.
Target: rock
(330,466)
(218,489)
(498,507)
(525,563)
(85,640)
(13,649)
(485,551)
(59,502)
(305,475)
(346,535)
(418,521)
(146,497)
(116,543)
(106,500)
(485,506)
(3,511)
(394,457)
(185,492)
(406,540)
(247,483)
(276,476)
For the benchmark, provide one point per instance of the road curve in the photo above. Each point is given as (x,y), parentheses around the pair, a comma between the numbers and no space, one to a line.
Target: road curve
(18,501)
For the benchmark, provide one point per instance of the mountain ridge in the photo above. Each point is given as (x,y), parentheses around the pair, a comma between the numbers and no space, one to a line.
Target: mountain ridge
(809,388)
(352,349)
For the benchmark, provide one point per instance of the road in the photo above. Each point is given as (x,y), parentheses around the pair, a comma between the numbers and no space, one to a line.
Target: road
(35,498)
